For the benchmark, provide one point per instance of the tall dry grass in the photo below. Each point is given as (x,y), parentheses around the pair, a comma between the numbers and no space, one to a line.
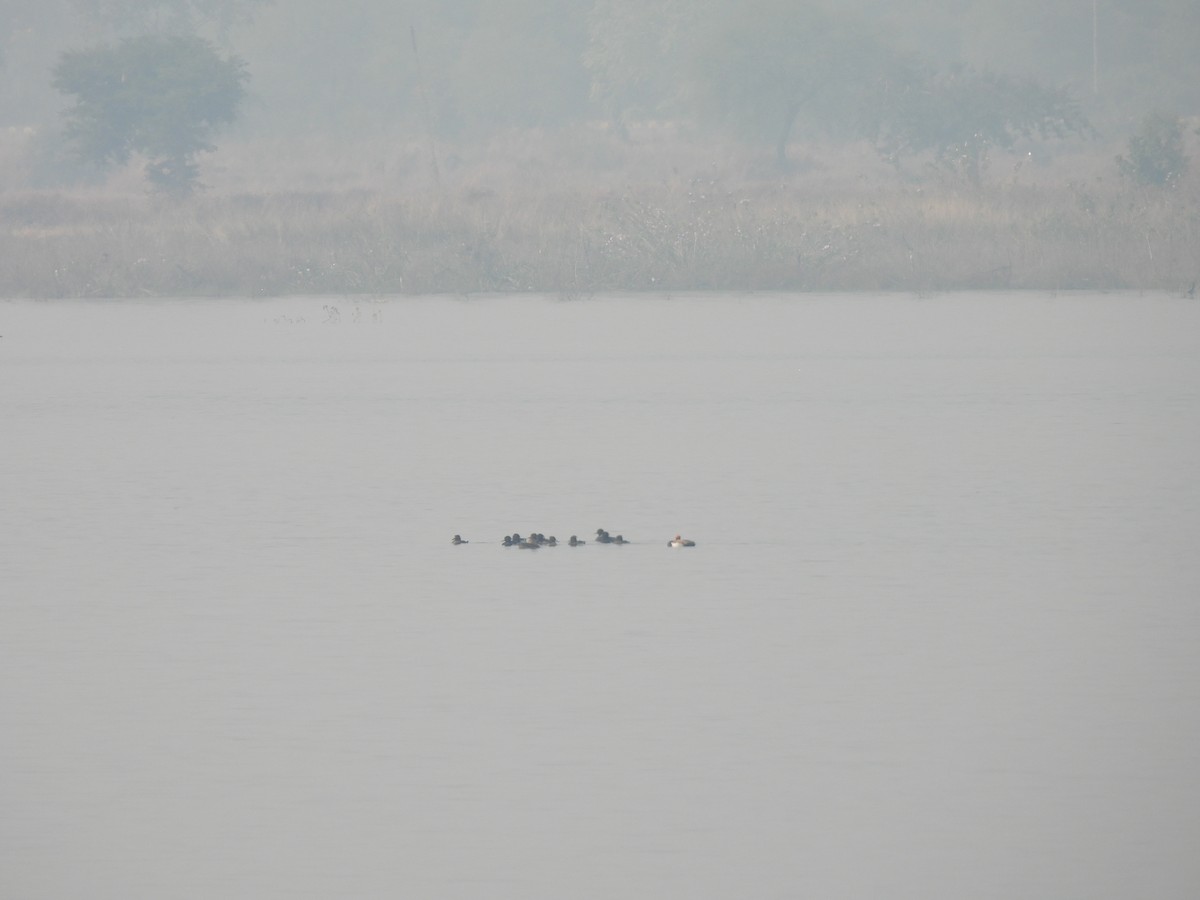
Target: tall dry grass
(583,212)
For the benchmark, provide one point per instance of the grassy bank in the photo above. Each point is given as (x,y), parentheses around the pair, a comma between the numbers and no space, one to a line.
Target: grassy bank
(543,229)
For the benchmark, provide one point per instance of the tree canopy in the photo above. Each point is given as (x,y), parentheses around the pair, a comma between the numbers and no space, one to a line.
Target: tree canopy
(635,56)
(161,96)
(764,63)
(1156,154)
(962,114)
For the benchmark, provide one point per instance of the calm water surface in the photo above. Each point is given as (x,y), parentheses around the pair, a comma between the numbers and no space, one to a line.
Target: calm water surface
(938,639)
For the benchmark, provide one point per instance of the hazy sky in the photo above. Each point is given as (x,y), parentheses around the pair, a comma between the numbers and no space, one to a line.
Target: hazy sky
(349,68)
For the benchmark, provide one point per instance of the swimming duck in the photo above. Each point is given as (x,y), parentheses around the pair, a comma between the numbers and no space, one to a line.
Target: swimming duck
(602,536)
(528,545)
(680,542)
(552,541)
(575,542)
(457,539)
(507,542)
(620,540)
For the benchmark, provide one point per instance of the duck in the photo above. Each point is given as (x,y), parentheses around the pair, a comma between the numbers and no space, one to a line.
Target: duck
(530,544)
(552,541)
(679,541)
(620,539)
(458,539)
(507,542)
(602,536)
(575,542)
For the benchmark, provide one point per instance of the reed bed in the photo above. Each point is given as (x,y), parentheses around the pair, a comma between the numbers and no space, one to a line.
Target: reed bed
(584,225)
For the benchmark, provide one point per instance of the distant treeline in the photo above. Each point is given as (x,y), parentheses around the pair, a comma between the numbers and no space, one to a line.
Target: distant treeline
(907,73)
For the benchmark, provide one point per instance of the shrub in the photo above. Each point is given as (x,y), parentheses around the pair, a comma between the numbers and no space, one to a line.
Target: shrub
(1156,152)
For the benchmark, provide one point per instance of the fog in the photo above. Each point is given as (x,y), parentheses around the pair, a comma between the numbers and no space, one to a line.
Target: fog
(799,284)
(349,71)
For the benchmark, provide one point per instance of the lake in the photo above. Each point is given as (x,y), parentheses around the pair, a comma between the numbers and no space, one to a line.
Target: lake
(938,637)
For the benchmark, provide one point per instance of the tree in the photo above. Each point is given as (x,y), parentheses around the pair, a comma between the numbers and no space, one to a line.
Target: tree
(765,63)
(157,96)
(635,53)
(962,114)
(1156,152)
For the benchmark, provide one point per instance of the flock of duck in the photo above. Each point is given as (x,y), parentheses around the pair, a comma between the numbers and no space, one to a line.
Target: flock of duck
(536,540)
